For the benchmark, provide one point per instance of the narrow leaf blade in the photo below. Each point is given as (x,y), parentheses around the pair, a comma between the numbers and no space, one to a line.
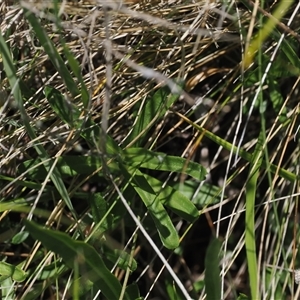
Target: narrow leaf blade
(77,252)
(212,271)
(160,161)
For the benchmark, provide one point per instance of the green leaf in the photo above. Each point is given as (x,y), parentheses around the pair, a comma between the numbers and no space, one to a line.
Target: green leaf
(72,165)
(270,275)
(277,100)
(291,55)
(67,111)
(82,286)
(265,31)
(122,258)
(20,237)
(15,272)
(99,209)
(68,166)
(71,115)
(163,223)
(76,68)
(52,52)
(133,291)
(17,204)
(31,185)
(173,293)
(78,253)
(7,292)
(154,109)
(147,159)
(212,272)
(43,156)
(173,199)
(53,270)
(207,194)
(35,293)
(250,241)
(242,153)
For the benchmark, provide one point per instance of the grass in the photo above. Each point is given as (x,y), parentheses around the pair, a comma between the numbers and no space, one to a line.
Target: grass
(149,150)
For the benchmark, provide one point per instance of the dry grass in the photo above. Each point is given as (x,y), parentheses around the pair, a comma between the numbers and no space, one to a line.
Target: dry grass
(126,52)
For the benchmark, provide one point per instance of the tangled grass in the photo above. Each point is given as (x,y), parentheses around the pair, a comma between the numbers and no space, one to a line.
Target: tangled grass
(122,123)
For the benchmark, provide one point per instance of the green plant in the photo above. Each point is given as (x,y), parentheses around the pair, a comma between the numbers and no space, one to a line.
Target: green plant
(107,113)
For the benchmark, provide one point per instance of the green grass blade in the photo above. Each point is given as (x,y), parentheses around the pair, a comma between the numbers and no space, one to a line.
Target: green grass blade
(67,166)
(31,185)
(71,115)
(122,258)
(52,52)
(242,153)
(14,83)
(154,109)
(73,63)
(250,217)
(265,31)
(212,271)
(290,53)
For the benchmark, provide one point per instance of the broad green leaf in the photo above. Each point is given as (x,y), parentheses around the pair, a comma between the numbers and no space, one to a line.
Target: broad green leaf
(15,272)
(287,48)
(207,194)
(67,111)
(76,68)
(199,285)
(78,253)
(20,237)
(99,207)
(173,199)
(82,286)
(17,206)
(7,292)
(147,159)
(138,157)
(35,293)
(101,216)
(52,270)
(212,271)
(163,223)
